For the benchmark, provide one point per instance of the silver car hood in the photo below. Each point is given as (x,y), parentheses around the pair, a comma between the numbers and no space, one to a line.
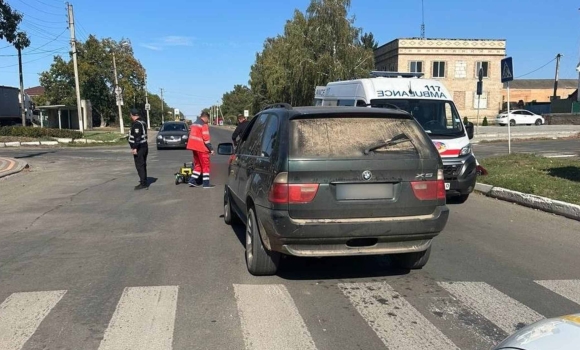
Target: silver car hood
(559,333)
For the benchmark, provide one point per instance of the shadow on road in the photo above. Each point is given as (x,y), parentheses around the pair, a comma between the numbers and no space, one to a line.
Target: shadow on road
(151,180)
(350,267)
(571,173)
(32,155)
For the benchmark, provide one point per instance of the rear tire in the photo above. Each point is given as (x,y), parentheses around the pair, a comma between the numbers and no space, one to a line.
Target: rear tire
(538,122)
(260,262)
(230,216)
(458,199)
(412,261)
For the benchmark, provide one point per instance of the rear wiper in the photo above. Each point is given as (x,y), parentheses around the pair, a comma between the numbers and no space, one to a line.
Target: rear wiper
(394,141)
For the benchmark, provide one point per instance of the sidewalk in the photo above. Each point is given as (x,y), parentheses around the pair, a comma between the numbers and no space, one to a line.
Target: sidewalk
(520,132)
(11,166)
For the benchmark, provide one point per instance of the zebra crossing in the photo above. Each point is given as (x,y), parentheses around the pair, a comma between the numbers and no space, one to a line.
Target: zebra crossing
(269,317)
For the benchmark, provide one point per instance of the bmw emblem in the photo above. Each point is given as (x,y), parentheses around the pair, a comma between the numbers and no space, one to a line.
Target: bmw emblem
(367,175)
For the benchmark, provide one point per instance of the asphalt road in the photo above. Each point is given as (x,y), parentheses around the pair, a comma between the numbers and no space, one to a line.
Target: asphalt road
(88,263)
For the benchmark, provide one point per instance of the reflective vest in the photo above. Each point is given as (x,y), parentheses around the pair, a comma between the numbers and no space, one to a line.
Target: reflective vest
(199,137)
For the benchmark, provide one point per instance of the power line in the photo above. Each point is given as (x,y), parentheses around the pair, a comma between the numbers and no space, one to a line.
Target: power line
(53,40)
(34,60)
(521,76)
(35,53)
(44,3)
(39,10)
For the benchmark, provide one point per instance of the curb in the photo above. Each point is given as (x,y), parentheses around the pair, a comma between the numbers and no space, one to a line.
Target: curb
(527,136)
(20,165)
(571,211)
(53,143)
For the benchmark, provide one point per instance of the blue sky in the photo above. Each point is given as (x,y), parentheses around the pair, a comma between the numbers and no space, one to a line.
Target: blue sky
(197,50)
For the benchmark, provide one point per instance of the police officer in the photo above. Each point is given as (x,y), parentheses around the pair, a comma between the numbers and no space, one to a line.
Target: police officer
(139,148)
(242,124)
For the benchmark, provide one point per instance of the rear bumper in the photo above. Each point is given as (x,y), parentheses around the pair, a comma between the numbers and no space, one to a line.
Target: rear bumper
(461,174)
(343,237)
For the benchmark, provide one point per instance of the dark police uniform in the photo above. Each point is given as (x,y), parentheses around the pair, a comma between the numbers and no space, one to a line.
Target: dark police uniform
(138,141)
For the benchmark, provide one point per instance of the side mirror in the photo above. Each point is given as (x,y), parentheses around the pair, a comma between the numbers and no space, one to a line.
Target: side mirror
(226,149)
(469,129)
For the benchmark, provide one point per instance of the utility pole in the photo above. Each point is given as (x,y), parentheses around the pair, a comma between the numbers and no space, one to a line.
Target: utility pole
(556,78)
(22,108)
(147,105)
(162,103)
(118,92)
(422,20)
(73,43)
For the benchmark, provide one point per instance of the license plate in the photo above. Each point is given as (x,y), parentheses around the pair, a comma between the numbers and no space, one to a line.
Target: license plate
(172,140)
(364,191)
(447,185)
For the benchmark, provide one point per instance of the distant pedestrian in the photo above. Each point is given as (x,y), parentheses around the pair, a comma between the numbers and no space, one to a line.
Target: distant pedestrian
(139,148)
(239,132)
(199,143)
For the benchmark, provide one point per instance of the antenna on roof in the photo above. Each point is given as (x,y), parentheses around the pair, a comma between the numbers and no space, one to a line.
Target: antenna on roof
(422,20)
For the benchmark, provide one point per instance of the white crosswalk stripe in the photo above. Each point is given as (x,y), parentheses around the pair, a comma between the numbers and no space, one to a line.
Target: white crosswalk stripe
(507,313)
(22,313)
(270,319)
(470,315)
(569,289)
(144,320)
(397,323)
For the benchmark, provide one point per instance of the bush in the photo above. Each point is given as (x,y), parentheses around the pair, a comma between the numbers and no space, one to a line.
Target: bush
(484,123)
(20,131)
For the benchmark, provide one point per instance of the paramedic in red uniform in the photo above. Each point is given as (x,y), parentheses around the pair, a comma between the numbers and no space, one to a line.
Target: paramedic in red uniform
(199,143)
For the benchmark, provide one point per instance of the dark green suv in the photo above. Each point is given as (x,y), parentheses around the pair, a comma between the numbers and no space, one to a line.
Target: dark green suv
(335,181)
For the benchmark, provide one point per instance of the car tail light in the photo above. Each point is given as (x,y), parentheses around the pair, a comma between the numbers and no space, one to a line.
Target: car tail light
(430,190)
(282,192)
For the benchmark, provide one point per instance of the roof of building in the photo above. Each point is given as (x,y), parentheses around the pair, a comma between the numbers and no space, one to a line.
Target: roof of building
(34,91)
(439,39)
(543,84)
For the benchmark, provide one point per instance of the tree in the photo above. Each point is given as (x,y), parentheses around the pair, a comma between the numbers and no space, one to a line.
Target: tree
(236,101)
(9,21)
(367,40)
(97,80)
(316,47)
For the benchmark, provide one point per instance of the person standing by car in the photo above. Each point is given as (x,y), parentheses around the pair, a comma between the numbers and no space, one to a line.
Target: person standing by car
(199,143)
(139,149)
(242,124)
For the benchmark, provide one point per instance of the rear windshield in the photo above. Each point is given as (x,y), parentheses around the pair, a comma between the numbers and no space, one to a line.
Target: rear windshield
(344,137)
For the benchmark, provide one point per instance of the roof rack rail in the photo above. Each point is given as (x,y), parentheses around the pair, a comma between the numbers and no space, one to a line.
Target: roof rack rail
(387,74)
(278,105)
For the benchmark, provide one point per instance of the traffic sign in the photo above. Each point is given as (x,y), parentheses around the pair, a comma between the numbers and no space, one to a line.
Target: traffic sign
(120,102)
(507,70)
(176,112)
(147,107)
(118,90)
(246,113)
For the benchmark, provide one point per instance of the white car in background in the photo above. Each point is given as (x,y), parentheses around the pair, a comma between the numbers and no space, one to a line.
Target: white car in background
(519,117)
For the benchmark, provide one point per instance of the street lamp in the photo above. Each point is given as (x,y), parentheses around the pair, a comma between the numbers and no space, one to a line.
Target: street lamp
(118,90)
(578,91)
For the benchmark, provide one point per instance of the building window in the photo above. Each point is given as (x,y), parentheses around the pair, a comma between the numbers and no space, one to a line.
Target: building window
(484,66)
(460,70)
(482,102)
(416,67)
(438,69)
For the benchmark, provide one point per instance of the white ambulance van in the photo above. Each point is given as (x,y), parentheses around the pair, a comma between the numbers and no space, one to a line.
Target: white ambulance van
(319,95)
(431,105)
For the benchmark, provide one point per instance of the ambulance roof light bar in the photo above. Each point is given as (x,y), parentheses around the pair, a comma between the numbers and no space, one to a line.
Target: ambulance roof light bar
(386,74)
